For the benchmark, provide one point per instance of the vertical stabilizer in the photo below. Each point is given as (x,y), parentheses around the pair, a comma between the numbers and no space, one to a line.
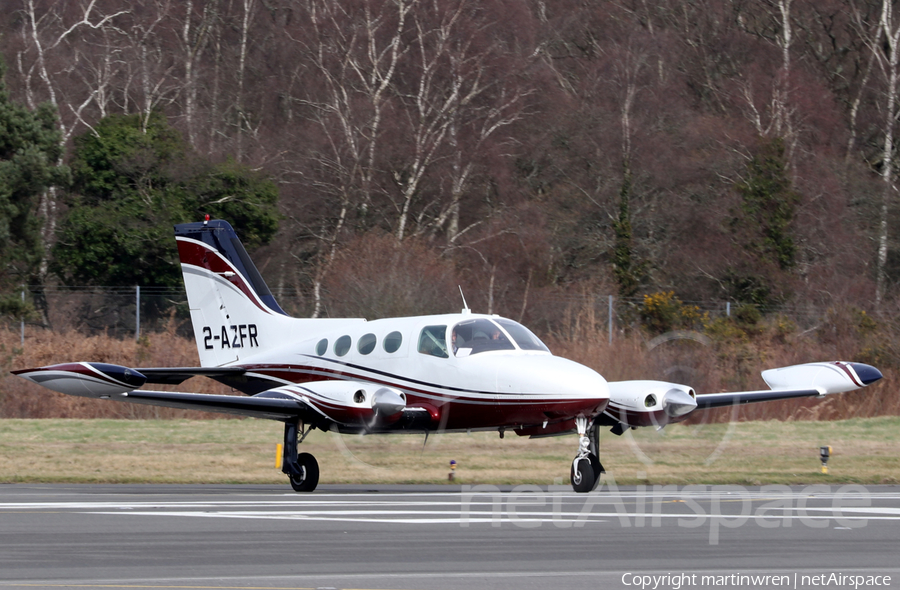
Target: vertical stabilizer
(234,314)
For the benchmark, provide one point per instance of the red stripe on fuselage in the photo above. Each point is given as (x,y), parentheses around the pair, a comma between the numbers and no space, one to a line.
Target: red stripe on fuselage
(458,411)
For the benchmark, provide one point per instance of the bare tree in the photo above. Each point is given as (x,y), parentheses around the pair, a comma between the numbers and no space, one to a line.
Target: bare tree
(354,55)
(459,92)
(48,31)
(886,47)
(777,120)
(194,37)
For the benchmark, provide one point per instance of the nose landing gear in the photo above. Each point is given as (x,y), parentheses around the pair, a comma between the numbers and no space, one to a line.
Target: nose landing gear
(586,467)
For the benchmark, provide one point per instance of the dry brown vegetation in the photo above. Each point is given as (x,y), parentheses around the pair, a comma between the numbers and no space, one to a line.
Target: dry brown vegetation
(20,399)
(724,354)
(728,355)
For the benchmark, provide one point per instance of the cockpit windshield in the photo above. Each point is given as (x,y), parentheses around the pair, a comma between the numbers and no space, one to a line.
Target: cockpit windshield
(524,337)
(478,335)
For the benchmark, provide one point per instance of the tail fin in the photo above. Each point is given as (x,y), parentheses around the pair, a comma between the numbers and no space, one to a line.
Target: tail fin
(232,310)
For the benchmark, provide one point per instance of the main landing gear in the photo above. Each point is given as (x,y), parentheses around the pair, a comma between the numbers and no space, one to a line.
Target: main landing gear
(586,467)
(302,469)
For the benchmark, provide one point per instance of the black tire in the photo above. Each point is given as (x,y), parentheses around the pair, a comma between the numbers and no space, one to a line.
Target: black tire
(308,478)
(582,476)
(597,468)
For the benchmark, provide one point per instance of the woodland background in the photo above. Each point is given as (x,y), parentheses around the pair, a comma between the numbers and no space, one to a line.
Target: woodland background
(379,153)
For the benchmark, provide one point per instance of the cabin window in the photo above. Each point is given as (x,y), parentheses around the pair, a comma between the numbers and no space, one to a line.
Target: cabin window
(478,335)
(524,338)
(322,347)
(342,345)
(366,344)
(432,341)
(392,342)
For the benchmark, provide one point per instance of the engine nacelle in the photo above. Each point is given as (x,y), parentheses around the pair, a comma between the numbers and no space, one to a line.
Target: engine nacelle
(649,403)
(350,403)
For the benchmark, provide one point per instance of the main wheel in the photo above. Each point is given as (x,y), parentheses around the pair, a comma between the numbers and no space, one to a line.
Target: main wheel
(308,478)
(582,476)
(596,468)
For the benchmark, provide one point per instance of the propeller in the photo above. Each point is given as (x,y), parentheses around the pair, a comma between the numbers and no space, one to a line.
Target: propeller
(677,402)
(386,402)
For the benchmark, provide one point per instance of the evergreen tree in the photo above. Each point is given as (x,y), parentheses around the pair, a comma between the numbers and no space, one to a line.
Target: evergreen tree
(628,271)
(768,203)
(131,184)
(29,155)
(763,228)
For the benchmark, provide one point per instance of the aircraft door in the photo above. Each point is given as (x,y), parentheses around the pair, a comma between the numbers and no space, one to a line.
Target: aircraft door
(436,367)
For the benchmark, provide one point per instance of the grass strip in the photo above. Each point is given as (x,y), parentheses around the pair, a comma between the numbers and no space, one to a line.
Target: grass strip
(865,451)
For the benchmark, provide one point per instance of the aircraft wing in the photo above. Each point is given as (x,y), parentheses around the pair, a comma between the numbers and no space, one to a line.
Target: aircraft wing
(105,381)
(270,405)
(811,379)
(175,375)
(657,403)
(350,404)
(719,400)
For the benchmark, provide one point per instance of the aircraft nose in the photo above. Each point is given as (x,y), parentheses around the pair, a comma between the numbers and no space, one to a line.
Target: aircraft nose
(565,376)
(867,374)
(545,374)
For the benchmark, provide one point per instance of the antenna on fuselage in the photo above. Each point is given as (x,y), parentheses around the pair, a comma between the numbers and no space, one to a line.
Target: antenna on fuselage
(465,308)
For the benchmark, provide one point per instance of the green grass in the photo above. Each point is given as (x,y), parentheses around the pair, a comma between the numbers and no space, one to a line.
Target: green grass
(865,451)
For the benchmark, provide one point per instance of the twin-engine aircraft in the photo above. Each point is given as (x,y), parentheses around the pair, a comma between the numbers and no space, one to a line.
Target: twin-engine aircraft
(453,372)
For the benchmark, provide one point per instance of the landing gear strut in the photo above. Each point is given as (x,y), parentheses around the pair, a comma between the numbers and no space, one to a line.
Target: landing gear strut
(586,467)
(302,469)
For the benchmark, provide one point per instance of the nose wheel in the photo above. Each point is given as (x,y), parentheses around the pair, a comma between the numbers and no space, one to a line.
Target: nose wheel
(586,467)
(302,469)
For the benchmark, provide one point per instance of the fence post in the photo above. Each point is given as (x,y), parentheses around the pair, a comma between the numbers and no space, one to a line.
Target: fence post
(137,312)
(22,338)
(610,319)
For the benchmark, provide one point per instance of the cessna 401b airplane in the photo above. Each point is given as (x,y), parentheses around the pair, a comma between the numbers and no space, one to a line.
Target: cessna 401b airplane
(452,372)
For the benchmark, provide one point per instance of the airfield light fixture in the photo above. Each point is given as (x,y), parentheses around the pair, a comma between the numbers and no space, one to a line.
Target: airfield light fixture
(824,454)
(452,474)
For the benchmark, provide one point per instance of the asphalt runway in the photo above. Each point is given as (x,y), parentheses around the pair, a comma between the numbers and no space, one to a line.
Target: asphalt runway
(447,537)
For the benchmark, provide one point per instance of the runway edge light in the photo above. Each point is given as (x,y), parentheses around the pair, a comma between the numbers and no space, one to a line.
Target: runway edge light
(824,454)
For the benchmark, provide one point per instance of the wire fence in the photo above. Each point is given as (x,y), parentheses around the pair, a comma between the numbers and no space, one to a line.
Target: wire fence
(131,311)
